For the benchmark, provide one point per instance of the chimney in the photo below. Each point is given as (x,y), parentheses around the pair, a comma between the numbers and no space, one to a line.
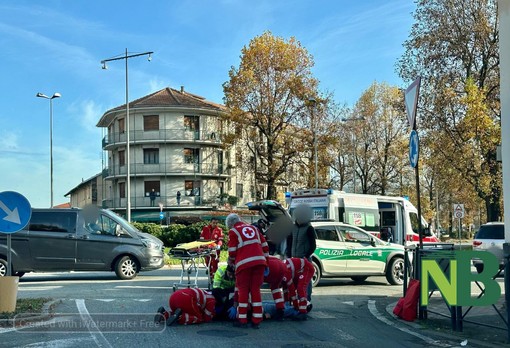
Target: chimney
(182,89)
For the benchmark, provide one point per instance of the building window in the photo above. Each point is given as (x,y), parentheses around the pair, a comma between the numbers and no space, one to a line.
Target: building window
(191,155)
(192,188)
(150,185)
(239,190)
(122,158)
(151,122)
(122,125)
(150,156)
(191,123)
(122,189)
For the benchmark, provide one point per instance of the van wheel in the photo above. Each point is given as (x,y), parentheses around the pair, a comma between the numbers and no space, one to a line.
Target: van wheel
(3,268)
(126,267)
(317,274)
(395,271)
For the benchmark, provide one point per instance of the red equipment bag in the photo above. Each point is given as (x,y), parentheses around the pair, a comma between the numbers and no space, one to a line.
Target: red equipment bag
(407,306)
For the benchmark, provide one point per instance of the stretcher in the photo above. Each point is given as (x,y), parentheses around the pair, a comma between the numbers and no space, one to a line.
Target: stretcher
(193,255)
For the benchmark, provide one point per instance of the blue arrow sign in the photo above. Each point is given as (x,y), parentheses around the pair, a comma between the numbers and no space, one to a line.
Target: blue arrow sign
(414,148)
(161,215)
(15,212)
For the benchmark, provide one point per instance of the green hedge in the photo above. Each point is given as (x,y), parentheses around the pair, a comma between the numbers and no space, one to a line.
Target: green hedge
(174,234)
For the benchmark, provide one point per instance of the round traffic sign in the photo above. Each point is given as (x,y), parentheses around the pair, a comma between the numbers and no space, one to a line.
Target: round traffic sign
(161,215)
(15,211)
(459,214)
(414,148)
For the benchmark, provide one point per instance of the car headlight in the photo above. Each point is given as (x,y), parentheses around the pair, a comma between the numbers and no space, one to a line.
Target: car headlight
(151,244)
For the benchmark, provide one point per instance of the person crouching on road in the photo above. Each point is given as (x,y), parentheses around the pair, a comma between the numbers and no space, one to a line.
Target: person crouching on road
(248,251)
(277,272)
(301,274)
(188,306)
(224,291)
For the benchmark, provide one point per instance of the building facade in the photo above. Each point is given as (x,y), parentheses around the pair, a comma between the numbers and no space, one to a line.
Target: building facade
(177,157)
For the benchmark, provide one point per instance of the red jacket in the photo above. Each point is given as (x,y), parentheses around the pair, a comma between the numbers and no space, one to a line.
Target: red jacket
(247,247)
(277,271)
(210,233)
(197,305)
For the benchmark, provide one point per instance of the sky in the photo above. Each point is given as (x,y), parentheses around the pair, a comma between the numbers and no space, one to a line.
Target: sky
(57,45)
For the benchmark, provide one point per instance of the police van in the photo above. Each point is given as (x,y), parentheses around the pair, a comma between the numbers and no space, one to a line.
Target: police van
(342,250)
(391,218)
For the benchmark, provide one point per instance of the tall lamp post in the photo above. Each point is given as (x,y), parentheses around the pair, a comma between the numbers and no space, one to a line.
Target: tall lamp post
(55,95)
(125,57)
(312,102)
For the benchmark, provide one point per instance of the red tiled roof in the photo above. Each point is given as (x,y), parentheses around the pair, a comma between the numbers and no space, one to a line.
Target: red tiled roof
(63,205)
(171,97)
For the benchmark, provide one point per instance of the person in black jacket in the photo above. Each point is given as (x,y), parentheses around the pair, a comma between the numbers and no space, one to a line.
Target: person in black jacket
(301,242)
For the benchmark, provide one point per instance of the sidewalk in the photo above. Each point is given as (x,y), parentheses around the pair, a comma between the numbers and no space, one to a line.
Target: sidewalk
(474,330)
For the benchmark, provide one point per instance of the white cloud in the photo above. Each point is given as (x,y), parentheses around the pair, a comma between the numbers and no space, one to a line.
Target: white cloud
(87,113)
(8,141)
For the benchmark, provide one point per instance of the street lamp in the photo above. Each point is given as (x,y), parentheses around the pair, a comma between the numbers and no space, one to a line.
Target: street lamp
(313,103)
(55,95)
(128,171)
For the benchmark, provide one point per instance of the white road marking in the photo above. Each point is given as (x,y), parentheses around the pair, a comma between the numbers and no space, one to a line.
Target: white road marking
(63,343)
(142,287)
(38,288)
(105,299)
(351,303)
(373,309)
(321,315)
(94,331)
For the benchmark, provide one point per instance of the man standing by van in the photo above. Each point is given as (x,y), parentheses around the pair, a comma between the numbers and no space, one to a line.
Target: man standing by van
(301,242)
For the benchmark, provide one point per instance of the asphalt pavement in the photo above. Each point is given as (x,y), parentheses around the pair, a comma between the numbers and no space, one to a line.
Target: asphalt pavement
(341,302)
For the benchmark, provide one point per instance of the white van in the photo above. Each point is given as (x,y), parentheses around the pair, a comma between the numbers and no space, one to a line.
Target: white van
(390,218)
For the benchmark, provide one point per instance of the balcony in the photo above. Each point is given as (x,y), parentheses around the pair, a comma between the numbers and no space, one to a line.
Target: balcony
(168,202)
(177,136)
(205,169)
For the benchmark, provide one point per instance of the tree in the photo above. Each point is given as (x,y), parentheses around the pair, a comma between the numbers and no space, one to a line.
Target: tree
(453,46)
(266,96)
(378,126)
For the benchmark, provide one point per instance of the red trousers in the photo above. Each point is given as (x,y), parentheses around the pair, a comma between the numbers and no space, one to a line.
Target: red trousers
(248,283)
(213,265)
(301,281)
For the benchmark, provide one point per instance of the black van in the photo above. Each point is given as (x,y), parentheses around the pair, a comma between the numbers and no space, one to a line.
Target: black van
(57,240)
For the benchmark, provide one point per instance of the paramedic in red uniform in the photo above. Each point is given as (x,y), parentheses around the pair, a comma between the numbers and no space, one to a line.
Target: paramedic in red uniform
(301,273)
(278,271)
(248,251)
(214,233)
(188,306)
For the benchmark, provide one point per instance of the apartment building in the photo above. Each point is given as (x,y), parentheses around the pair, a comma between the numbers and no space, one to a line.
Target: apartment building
(177,158)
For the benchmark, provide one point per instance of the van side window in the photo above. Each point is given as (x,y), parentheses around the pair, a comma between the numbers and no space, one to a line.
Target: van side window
(64,222)
(102,225)
(414,221)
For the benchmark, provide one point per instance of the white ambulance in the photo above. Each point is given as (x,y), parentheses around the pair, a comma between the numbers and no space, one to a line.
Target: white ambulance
(394,219)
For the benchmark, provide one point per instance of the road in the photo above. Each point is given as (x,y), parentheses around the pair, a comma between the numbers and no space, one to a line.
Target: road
(98,310)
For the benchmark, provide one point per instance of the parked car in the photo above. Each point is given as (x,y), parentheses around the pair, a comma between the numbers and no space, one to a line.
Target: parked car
(59,240)
(490,237)
(342,250)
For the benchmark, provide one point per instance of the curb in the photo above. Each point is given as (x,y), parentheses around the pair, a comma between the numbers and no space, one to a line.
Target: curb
(446,334)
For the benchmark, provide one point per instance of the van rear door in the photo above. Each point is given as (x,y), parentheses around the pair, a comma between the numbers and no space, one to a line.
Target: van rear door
(52,240)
